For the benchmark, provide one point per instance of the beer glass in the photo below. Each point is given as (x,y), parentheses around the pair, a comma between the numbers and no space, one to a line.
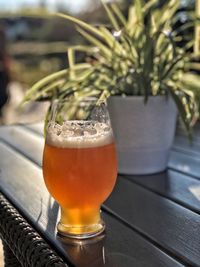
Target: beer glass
(79,164)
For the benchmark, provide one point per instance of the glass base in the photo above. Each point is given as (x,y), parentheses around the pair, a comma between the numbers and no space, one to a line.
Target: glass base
(81,232)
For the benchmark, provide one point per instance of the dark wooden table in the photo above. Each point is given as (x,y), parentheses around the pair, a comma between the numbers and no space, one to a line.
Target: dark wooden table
(151,220)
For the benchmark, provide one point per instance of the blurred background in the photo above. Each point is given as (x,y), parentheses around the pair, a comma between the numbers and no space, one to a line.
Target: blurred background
(34,43)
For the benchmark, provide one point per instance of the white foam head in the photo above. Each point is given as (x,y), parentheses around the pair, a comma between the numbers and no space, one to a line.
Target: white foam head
(79,134)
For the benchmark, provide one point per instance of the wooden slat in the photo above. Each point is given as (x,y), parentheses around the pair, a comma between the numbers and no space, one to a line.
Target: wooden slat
(182,131)
(185,157)
(26,142)
(187,164)
(195,138)
(168,224)
(173,185)
(23,185)
(183,145)
(37,128)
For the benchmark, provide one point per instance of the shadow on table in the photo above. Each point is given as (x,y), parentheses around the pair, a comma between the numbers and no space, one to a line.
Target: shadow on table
(93,252)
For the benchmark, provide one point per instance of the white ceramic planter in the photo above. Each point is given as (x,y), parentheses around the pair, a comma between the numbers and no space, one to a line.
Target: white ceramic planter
(144,133)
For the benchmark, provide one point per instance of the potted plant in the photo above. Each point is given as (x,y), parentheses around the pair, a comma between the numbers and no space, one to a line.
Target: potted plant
(140,64)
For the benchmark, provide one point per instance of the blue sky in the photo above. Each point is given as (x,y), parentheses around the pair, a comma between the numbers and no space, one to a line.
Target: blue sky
(12,5)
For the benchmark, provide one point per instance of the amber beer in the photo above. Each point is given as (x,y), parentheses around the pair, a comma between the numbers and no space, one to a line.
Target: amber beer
(80,173)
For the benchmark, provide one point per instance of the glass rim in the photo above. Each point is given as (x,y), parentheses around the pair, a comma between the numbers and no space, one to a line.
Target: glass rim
(86,100)
(68,104)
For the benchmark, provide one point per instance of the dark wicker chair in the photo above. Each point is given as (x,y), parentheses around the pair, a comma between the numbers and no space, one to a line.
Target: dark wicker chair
(23,247)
